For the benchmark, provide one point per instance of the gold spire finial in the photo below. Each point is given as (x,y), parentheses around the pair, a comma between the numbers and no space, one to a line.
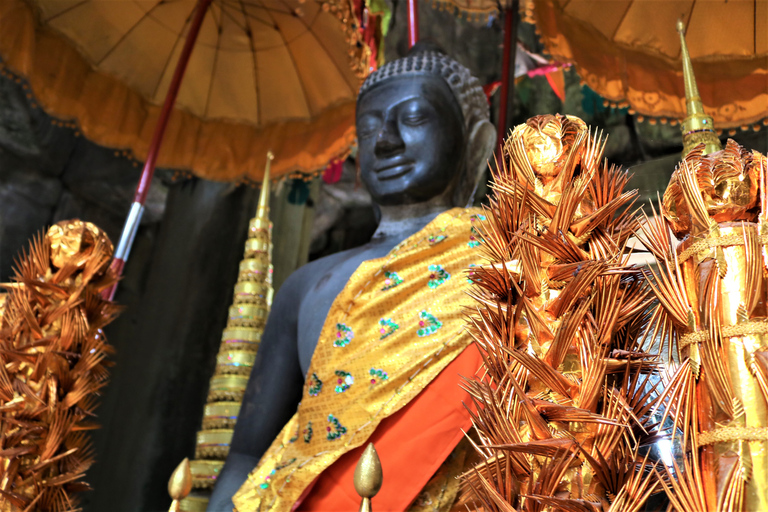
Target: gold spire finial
(368,476)
(697,127)
(262,211)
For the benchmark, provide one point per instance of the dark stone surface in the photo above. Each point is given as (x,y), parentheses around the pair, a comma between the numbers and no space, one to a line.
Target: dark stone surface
(95,173)
(17,133)
(71,205)
(166,342)
(344,215)
(27,201)
(50,173)
(476,45)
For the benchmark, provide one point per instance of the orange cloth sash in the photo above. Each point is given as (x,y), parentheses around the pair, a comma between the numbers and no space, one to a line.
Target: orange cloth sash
(412,444)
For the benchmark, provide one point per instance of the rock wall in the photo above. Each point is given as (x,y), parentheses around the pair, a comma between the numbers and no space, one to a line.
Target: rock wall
(48,172)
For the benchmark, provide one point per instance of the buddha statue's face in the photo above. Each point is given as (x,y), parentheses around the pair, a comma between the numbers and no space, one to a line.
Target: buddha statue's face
(411,140)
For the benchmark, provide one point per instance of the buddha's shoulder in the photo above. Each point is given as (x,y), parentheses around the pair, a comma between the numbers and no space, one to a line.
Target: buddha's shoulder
(335,265)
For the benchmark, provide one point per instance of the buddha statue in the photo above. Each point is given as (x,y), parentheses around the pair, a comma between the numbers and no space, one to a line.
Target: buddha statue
(367,345)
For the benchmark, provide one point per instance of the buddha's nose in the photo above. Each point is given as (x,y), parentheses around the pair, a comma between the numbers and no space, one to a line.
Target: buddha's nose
(388,141)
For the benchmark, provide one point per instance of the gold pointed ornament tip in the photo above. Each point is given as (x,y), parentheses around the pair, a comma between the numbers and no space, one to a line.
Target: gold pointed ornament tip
(368,473)
(180,483)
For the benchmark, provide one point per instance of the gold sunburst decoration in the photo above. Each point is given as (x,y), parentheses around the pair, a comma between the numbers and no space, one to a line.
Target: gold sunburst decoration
(53,365)
(567,404)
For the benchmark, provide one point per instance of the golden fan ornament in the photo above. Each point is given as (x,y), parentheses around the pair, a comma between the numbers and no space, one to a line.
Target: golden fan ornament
(714,291)
(566,407)
(53,365)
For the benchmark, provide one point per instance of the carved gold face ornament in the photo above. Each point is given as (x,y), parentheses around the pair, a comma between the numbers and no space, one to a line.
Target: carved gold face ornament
(74,242)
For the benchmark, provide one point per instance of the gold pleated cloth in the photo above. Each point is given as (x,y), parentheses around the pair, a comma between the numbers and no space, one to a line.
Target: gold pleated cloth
(279,75)
(725,442)
(389,333)
(629,53)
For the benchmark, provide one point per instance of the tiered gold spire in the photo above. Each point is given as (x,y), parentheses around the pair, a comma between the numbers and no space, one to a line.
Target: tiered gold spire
(239,343)
(697,127)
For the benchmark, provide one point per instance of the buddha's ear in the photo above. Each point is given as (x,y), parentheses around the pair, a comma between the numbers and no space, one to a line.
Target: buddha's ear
(480,145)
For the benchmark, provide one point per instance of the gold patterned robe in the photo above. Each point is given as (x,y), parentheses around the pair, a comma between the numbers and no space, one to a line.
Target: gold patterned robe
(396,325)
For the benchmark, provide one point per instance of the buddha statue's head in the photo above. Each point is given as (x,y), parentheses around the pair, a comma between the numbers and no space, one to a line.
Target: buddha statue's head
(423,131)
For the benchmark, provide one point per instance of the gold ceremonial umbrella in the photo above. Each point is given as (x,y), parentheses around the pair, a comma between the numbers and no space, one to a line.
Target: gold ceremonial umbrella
(263,74)
(629,52)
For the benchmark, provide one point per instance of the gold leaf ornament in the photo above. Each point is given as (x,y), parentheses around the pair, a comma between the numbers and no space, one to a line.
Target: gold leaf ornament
(73,242)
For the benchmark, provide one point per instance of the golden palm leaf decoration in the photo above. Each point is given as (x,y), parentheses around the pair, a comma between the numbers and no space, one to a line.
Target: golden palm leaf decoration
(569,401)
(713,294)
(53,352)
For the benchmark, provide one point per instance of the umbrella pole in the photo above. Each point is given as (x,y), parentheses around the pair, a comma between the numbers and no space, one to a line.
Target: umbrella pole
(413,22)
(506,103)
(140,197)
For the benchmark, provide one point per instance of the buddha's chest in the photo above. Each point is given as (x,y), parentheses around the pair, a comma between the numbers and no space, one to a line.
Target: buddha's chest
(322,290)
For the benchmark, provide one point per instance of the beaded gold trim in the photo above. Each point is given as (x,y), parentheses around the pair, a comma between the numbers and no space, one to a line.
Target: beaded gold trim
(213,444)
(727,331)
(726,434)
(716,241)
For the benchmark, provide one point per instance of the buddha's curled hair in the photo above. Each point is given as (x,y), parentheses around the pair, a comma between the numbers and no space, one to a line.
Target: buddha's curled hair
(465,87)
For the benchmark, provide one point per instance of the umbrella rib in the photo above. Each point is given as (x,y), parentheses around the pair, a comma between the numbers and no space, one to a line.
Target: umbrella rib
(170,55)
(65,11)
(255,64)
(263,7)
(687,22)
(618,25)
(127,33)
(325,49)
(301,82)
(245,13)
(215,60)
(228,15)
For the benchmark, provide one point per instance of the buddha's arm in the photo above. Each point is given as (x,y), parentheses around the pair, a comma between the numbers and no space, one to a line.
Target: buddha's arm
(271,397)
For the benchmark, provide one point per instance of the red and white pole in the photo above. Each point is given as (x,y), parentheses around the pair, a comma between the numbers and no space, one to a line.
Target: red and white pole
(506,107)
(140,197)
(413,22)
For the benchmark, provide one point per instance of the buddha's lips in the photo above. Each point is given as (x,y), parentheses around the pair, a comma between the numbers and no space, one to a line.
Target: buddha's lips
(393,170)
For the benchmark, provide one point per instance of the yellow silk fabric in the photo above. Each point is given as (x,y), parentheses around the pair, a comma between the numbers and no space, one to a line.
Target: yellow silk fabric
(410,356)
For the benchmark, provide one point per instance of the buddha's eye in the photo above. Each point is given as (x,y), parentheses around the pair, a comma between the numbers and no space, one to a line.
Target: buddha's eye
(415,113)
(414,119)
(367,125)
